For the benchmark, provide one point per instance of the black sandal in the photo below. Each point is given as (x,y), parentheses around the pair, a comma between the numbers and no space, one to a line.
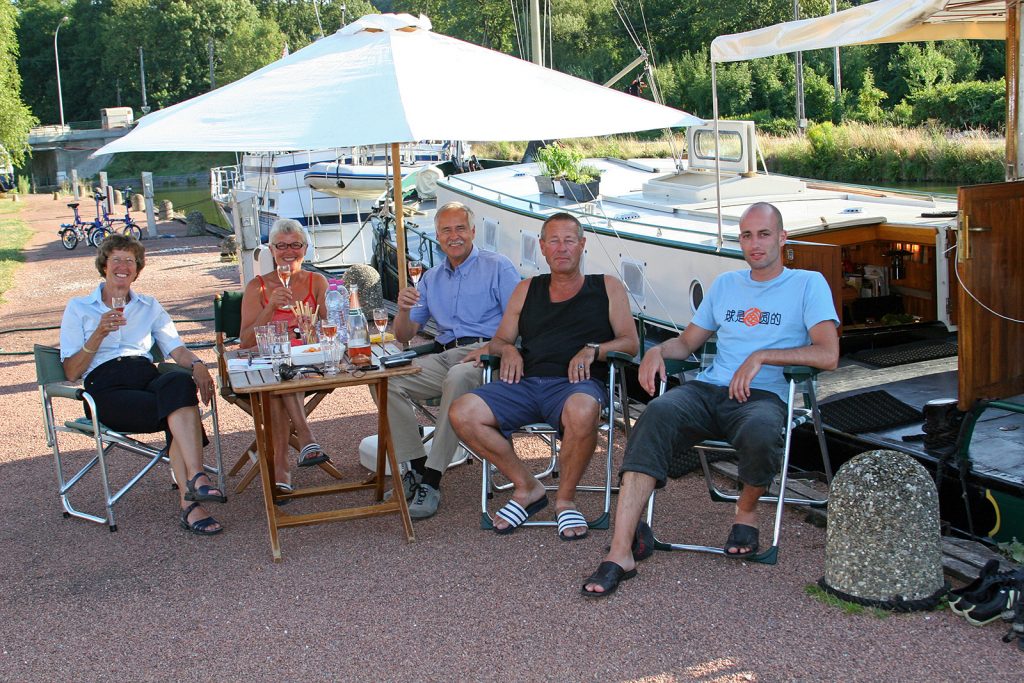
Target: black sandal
(200,527)
(742,536)
(608,576)
(202,494)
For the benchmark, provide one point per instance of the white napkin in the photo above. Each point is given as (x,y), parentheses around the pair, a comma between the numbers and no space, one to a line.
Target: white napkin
(241,364)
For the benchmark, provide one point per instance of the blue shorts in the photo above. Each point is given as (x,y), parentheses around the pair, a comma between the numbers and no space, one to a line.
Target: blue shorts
(534,399)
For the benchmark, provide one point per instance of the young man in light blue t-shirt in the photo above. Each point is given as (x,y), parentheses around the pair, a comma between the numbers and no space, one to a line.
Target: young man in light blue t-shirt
(766,317)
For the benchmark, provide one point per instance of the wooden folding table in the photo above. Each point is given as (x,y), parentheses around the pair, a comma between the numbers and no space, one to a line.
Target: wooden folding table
(261,385)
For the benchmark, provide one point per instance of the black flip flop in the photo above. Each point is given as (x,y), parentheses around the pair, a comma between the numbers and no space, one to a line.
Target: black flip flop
(742,536)
(643,542)
(608,576)
(202,494)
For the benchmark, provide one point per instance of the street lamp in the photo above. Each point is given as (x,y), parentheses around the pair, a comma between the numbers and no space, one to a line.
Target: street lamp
(56,56)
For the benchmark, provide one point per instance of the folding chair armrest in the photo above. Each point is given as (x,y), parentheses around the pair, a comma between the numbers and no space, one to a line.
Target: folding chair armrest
(490,362)
(799,373)
(64,391)
(423,349)
(619,358)
(168,366)
(674,366)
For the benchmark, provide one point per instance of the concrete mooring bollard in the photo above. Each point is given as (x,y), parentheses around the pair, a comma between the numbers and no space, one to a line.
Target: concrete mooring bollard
(368,280)
(166,210)
(883,545)
(138,202)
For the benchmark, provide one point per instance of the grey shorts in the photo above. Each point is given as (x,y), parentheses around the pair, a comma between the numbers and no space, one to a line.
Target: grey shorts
(697,411)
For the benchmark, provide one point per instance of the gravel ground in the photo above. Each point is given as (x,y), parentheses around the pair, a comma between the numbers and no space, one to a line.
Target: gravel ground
(353,601)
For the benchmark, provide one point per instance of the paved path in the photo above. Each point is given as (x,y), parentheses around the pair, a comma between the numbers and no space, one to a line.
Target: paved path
(352,601)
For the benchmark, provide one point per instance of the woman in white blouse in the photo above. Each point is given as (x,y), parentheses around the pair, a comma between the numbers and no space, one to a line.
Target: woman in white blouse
(110,349)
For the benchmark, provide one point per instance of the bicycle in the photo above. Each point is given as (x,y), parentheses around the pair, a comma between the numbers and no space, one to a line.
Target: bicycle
(130,227)
(92,232)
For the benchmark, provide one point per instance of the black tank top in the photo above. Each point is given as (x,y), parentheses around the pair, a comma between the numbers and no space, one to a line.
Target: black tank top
(552,333)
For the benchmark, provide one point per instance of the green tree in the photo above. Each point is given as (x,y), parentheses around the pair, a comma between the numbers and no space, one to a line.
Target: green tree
(915,68)
(15,117)
(869,101)
(297,20)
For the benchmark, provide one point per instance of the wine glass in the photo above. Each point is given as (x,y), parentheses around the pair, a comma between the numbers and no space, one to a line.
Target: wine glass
(284,273)
(118,303)
(415,273)
(380,321)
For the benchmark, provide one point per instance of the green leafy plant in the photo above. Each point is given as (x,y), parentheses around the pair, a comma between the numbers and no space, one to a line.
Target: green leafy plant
(558,161)
(23,185)
(1013,550)
(583,174)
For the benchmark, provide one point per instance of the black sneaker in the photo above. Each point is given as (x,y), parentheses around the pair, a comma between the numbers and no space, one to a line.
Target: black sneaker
(979,585)
(1004,599)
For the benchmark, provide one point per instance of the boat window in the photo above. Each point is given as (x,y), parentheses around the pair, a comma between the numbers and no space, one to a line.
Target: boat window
(530,250)
(730,144)
(489,238)
(633,278)
(696,295)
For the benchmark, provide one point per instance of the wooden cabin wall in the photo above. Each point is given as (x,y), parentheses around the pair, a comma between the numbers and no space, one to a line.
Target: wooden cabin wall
(824,258)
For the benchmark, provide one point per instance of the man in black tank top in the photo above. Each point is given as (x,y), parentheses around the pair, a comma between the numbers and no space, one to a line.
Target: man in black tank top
(567,324)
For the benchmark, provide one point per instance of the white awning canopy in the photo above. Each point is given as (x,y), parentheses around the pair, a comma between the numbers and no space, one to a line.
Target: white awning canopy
(387,79)
(884,21)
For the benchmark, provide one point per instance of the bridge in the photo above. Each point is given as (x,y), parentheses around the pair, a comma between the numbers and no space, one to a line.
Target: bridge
(58,149)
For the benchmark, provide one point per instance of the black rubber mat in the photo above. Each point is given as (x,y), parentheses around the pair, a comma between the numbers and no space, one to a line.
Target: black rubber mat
(873,411)
(914,352)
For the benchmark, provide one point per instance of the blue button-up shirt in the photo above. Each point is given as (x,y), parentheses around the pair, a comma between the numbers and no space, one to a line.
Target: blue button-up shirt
(469,300)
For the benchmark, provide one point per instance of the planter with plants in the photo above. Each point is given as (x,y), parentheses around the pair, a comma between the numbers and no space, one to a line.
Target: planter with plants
(556,162)
(582,183)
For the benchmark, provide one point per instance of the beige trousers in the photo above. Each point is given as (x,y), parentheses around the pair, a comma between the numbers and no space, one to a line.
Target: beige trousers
(442,375)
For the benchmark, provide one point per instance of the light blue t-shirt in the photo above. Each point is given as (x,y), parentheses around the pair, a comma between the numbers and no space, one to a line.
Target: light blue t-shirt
(468,300)
(750,316)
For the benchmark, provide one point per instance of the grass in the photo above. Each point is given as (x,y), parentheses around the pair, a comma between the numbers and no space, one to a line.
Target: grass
(853,152)
(131,164)
(14,233)
(816,591)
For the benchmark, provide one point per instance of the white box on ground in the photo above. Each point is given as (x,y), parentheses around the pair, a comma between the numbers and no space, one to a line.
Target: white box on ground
(368,453)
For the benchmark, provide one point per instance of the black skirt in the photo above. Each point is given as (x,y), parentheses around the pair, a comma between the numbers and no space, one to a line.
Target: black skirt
(132,396)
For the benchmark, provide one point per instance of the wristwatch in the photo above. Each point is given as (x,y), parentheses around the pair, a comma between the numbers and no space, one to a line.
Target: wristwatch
(596,347)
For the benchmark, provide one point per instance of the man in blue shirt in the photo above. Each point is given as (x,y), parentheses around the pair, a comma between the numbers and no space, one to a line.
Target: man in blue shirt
(766,317)
(466,296)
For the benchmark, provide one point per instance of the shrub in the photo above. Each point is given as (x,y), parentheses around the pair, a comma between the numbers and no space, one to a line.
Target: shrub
(962,105)
(24,186)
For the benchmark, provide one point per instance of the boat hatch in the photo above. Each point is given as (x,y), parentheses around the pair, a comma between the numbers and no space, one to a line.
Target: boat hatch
(489,236)
(634,279)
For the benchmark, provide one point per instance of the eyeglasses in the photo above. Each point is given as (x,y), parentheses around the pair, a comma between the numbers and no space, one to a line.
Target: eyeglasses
(121,260)
(281,246)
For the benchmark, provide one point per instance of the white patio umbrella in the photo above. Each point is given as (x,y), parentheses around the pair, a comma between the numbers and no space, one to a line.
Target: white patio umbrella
(390,79)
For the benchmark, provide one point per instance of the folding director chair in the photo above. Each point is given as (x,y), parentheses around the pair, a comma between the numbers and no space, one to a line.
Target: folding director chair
(796,376)
(227,320)
(53,384)
(617,404)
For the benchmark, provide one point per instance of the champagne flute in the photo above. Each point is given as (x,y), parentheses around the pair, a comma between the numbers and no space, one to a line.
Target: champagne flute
(415,273)
(118,303)
(284,273)
(380,321)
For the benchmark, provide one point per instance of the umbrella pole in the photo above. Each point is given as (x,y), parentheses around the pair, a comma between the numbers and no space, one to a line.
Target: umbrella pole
(396,170)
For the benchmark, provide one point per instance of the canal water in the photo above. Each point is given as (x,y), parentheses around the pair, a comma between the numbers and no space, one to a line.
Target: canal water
(194,198)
